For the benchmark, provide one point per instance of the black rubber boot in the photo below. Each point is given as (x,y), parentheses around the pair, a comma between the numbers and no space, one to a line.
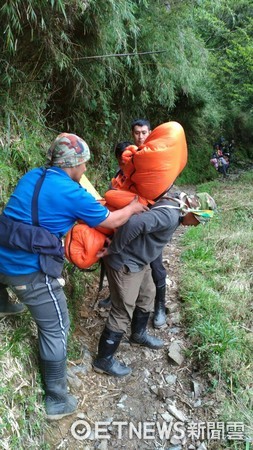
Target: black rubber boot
(105,303)
(159,318)
(105,362)
(7,308)
(58,402)
(139,333)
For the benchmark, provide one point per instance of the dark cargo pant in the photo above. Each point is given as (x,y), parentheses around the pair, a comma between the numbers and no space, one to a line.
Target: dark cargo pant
(128,290)
(158,271)
(46,301)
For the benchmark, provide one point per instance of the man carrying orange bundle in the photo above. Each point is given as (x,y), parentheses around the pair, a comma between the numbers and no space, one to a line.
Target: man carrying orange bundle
(127,259)
(141,129)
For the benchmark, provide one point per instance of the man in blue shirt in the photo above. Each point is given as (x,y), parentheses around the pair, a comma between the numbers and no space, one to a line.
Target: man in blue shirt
(59,202)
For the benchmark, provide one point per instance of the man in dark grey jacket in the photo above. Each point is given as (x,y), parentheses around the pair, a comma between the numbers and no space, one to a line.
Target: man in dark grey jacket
(127,259)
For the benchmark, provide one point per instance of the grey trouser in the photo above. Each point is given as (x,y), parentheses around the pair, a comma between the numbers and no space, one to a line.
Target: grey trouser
(158,271)
(46,301)
(128,290)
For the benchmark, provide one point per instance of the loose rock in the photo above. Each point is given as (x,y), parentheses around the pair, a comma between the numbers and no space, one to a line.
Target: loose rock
(174,353)
(177,413)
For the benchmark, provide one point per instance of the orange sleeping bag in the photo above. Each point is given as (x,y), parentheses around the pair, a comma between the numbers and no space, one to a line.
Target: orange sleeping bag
(152,168)
(118,199)
(82,244)
(148,172)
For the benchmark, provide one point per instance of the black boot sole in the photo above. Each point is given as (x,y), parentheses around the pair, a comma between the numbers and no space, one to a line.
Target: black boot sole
(59,416)
(9,314)
(157,327)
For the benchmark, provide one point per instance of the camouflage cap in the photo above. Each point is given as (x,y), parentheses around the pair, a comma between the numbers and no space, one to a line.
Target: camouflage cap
(67,150)
(202,205)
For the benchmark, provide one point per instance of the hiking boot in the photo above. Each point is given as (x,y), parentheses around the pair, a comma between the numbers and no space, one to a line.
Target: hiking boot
(139,333)
(59,403)
(159,318)
(105,362)
(7,308)
(105,303)
(111,366)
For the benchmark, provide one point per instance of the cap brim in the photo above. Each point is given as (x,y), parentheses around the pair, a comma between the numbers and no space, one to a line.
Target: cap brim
(203,215)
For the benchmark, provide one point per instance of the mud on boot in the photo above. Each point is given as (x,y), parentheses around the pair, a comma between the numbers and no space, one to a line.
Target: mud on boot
(59,405)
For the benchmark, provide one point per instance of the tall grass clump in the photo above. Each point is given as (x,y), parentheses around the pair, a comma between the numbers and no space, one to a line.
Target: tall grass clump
(217,288)
(22,418)
(24,137)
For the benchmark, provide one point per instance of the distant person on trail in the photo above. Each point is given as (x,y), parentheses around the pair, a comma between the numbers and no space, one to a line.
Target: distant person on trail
(141,129)
(220,161)
(44,206)
(127,260)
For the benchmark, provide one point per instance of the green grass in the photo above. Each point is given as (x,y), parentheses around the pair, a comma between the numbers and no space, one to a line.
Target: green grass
(22,415)
(216,288)
(22,418)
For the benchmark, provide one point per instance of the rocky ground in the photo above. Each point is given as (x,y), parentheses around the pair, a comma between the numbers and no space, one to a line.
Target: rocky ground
(163,404)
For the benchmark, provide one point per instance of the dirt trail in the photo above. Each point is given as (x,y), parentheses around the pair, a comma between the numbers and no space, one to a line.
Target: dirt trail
(162,393)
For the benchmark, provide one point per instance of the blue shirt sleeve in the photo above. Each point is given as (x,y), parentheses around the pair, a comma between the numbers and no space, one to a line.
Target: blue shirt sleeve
(88,209)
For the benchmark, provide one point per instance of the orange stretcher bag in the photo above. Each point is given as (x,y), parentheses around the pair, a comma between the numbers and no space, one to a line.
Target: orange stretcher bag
(82,244)
(148,172)
(151,169)
(118,199)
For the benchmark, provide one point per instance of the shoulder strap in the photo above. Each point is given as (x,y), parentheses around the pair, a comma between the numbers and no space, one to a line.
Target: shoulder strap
(179,202)
(35,212)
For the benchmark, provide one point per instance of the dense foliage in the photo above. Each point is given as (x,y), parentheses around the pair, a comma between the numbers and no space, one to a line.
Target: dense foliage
(90,67)
(59,72)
